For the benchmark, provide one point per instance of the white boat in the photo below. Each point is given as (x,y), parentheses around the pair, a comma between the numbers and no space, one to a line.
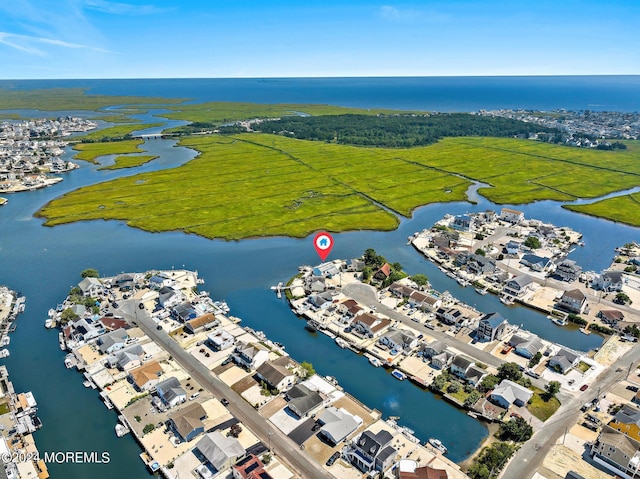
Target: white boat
(86,384)
(121,430)
(4,353)
(107,402)
(5,341)
(438,445)
(398,375)
(341,342)
(48,323)
(375,362)
(51,313)
(61,342)
(584,331)
(558,321)
(69,362)
(482,291)
(506,300)
(462,282)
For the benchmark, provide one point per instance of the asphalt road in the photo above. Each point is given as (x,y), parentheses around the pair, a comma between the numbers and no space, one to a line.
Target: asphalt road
(281,445)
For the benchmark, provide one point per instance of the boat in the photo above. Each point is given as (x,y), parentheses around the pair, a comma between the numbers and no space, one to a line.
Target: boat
(4,353)
(86,384)
(472,414)
(558,321)
(481,291)
(69,361)
(48,323)
(121,430)
(438,445)
(51,313)
(107,402)
(584,331)
(462,282)
(12,328)
(506,300)
(375,362)
(311,326)
(398,375)
(341,342)
(61,342)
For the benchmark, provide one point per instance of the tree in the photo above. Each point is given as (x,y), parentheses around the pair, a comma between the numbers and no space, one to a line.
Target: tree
(535,359)
(480,252)
(308,369)
(510,371)
(489,382)
(90,273)
(516,429)
(532,242)
(396,266)
(622,298)
(454,387)
(439,382)
(235,430)
(148,428)
(75,291)
(420,279)
(472,398)
(68,315)
(633,330)
(552,387)
(371,258)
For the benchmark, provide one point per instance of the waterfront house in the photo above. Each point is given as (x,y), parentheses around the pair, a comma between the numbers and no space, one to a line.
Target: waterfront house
(372,451)
(451,316)
(433,348)
(408,469)
(126,358)
(617,452)
(512,248)
(568,270)
(278,374)
(187,422)
(337,424)
(250,356)
(91,287)
(159,281)
(205,322)
(511,216)
(147,376)
(460,365)
(535,262)
(79,309)
(169,297)
(171,392)
(479,264)
(317,285)
(608,281)
(251,467)
(124,281)
(349,309)
(355,265)
(461,222)
(442,360)
(220,340)
(474,375)
(219,451)
(425,302)
(303,401)
(518,285)
(627,421)
(507,393)
(82,330)
(400,290)
(326,270)
(321,300)
(112,341)
(526,345)
(383,273)
(399,340)
(611,316)
(183,312)
(564,360)
(368,325)
(574,301)
(491,327)
(441,241)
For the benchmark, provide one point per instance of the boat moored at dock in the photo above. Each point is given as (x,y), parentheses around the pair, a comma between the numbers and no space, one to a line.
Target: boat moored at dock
(396,373)
(436,443)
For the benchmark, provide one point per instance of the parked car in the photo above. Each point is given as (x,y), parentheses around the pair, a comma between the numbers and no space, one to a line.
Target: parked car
(225,402)
(334,457)
(584,387)
(633,388)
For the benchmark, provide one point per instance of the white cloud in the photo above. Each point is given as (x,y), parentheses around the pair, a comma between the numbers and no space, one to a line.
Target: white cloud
(118,8)
(26,43)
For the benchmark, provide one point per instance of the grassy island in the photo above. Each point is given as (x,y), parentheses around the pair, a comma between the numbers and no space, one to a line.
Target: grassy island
(129,162)
(90,151)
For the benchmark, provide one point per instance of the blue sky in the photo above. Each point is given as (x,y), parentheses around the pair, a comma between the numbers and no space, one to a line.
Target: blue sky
(217,38)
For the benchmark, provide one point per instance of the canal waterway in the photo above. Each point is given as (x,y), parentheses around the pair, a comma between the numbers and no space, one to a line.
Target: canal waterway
(43,263)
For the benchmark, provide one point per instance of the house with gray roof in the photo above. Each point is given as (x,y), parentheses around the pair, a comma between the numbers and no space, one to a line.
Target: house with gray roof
(518,285)
(321,300)
(535,262)
(327,270)
(171,392)
(372,451)
(526,345)
(126,358)
(574,301)
(433,348)
(91,287)
(278,374)
(250,356)
(507,393)
(338,424)
(219,451)
(617,452)
(568,270)
(169,297)
(110,342)
(491,327)
(460,364)
(479,264)
(303,401)
(564,360)
(220,340)
(399,339)
(187,422)
(442,360)
(609,281)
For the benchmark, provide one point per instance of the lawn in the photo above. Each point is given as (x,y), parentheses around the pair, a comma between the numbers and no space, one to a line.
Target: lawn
(583,367)
(624,209)
(90,151)
(4,408)
(540,408)
(116,119)
(266,185)
(118,131)
(129,162)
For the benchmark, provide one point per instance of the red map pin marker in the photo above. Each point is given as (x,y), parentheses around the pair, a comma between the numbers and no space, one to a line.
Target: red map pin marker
(323,242)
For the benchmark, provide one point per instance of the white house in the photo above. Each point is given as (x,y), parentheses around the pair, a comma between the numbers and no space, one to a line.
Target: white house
(511,216)
(507,393)
(220,340)
(91,287)
(251,356)
(609,281)
(574,301)
(171,392)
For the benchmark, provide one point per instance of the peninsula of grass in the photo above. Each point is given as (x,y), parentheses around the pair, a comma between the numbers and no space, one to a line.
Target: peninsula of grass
(623,209)
(268,185)
(114,132)
(129,162)
(116,119)
(57,99)
(90,151)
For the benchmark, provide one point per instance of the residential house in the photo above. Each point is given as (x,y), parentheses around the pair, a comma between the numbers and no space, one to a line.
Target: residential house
(187,422)
(450,316)
(205,322)
(442,360)
(317,284)
(461,222)
(574,301)
(147,376)
(568,270)
(78,309)
(368,325)
(220,340)
(440,241)
(430,303)
(303,401)
(611,316)
(159,281)
(171,392)
(219,451)
(169,297)
(433,348)
(507,393)
(609,281)
(526,345)
(372,451)
(183,312)
(111,324)
(91,287)
(398,339)
(617,452)
(251,467)
(535,262)
(277,374)
(321,300)
(474,375)
(511,216)
(326,270)
(124,281)
(408,469)
(627,421)
(512,248)
(491,327)
(113,341)
(338,424)
(460,365)
(127,358)
(400,290)
(383,273)
(518,285)
(355,265)
(250,356)
(564,360)
(481,265)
